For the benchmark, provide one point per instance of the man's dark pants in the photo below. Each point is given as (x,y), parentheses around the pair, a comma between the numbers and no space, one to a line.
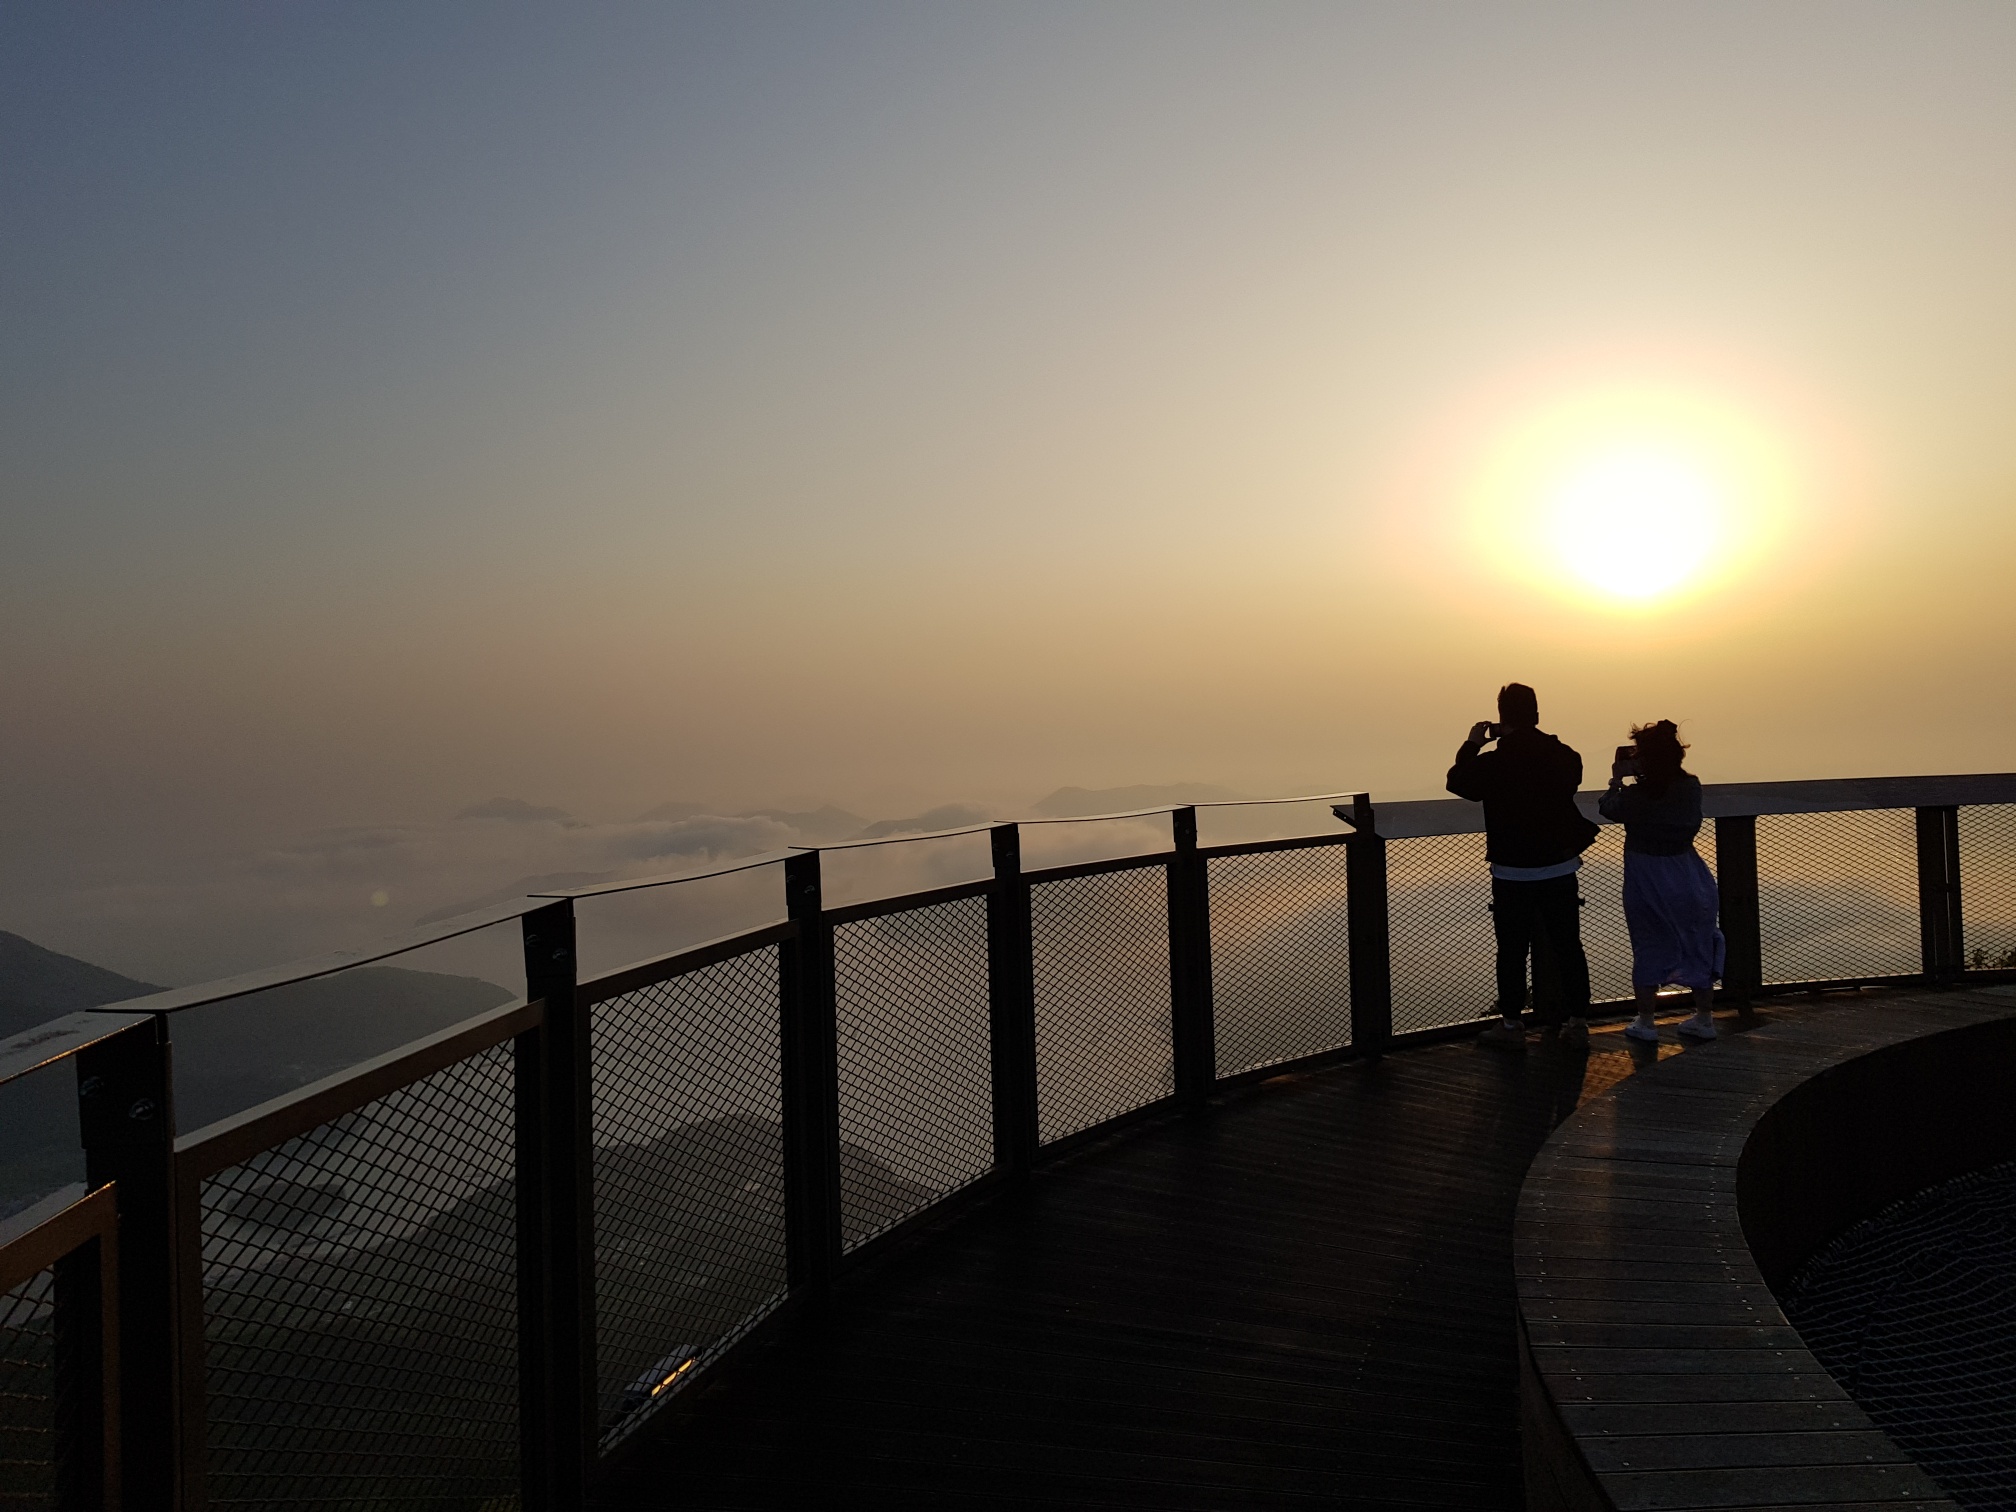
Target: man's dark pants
(1545,920)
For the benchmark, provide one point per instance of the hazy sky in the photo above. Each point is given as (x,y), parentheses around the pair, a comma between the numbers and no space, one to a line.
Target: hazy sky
(601,405)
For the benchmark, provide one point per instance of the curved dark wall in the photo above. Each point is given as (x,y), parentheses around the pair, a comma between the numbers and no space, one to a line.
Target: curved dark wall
(1871,1131)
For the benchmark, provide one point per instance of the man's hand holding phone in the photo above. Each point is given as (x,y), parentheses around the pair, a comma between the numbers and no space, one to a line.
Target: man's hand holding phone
(1482,731)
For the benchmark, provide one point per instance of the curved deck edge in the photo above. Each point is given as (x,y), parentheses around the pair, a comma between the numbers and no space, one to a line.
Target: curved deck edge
(1656,1368)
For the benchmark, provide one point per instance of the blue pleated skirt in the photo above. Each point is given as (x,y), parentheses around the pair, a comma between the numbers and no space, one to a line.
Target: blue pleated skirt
(1670,908)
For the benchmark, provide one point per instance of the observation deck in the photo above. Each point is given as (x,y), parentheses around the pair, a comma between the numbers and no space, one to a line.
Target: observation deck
(1162,1178)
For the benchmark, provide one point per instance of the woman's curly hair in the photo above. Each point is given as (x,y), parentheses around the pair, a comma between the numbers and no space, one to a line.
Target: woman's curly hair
(1660,754)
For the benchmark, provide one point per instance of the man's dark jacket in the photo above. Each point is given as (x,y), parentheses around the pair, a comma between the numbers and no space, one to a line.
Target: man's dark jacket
(1527,787)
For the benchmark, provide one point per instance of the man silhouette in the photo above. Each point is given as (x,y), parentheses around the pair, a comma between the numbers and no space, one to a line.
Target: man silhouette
(1534,839)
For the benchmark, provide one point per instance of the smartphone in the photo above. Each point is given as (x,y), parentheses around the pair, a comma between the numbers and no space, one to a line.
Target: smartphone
(1496,729)
(1627,753)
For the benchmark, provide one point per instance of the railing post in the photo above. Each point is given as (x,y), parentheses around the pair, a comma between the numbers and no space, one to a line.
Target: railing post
(1939,927)
(1011,1005)
(811,1086)
(126,1113)
(1370,932)
(1192,1034)
(1741,907)
(87,1389)
(557,1225)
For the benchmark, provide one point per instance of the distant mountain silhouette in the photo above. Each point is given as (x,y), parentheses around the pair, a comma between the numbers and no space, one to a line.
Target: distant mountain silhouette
(1075,802)
(825,823)
(235,1055)
(819,825)
(37,985)
(950,816)
(671,811)
(518,811)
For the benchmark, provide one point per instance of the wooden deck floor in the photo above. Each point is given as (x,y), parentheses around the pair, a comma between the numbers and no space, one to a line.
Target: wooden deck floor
(1301,1297)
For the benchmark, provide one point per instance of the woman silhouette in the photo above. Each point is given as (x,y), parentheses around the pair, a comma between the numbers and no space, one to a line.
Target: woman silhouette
(1670,902)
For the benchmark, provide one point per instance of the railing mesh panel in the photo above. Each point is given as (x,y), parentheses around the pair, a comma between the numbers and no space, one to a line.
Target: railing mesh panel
(1102,996)
(1438,891)
(1988,885)
(1280,956)
(1838,895)
(916,1080)
(689,1176)
(28,1394)
(361,1305)
(1914,1313)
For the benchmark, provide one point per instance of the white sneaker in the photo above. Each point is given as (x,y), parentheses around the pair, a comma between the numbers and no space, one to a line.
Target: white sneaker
(1697,1027)
(1649,1033)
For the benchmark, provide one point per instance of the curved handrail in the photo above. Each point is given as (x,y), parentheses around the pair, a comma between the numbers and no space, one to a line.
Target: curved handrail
(1170,808)
(667,879)
(178,999)
(60,1038)
(1405,819)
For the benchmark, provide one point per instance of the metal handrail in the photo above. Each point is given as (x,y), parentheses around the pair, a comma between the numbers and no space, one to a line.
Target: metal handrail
(1170,808)
(38,1236)
(655,969)
(180,999)
(1037,875)
(59,1039)
(667,879)
(239,1136)
(945,834)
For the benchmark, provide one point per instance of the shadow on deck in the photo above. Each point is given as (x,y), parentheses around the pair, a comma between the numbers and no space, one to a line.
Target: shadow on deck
(1302,1295)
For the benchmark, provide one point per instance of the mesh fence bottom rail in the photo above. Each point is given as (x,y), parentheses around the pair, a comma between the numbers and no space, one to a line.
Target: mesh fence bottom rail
(1913,1311)
(360,1305)
(689,1177)
(28,1394)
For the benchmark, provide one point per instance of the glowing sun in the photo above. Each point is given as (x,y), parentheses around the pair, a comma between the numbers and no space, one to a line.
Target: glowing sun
(1630,499)
(1635,522)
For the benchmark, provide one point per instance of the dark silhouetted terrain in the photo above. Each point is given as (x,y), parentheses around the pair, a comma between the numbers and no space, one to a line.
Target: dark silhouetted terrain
(228,1057)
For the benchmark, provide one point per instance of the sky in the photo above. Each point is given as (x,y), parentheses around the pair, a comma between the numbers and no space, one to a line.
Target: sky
(748,406)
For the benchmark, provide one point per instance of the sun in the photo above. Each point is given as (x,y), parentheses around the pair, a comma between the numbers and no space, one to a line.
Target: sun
(1631,499)
(1636,521)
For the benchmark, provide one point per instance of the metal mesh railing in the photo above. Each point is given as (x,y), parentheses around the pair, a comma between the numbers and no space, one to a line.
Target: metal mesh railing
(916,1067)
(360,1281)
(1988,886)
(1914,1313)
(1280,956)
(28,1394)
(689,1176)
(361,1305)
(1838,895)
(1102,996)
(1438,890)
